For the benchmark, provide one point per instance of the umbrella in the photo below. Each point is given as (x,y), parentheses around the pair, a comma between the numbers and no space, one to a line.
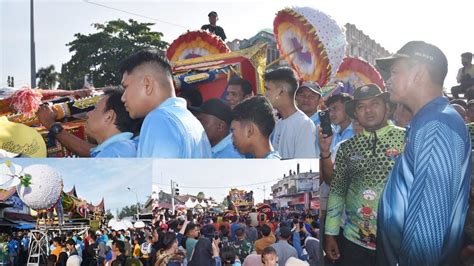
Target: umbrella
(311,41)
(196,44)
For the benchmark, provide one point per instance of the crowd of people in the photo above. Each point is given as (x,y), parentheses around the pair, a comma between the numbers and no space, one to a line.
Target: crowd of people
(287,238)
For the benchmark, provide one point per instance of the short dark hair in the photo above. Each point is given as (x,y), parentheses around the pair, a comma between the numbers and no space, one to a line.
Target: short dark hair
(123,121)
(168,239)
(189,227)
(467,55)
(268,250)
(71,242)
(239,232)
(285,75)
(266,230)
(461,102)
(228,254)
(193,95)
(120,245)
(285,232)
(243,83)
(257,110)
(145,56)
(343,97)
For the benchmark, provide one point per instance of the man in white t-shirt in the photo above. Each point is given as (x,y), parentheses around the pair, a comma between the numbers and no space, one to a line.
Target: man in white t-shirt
(295,134)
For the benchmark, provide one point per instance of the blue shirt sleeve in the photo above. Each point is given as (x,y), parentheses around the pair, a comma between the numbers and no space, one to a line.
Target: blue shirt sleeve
(438,195)
(159,137)
(120,149)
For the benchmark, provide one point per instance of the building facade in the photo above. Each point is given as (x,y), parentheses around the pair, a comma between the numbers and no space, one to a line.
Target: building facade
(361,45)
(296,190)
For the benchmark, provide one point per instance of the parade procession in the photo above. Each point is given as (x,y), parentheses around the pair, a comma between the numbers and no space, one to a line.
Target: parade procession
(236,133)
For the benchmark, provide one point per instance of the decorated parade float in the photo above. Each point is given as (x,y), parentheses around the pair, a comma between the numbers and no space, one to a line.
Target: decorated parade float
(310,41)
(40,187)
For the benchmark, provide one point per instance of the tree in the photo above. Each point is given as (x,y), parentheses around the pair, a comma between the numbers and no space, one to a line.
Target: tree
(201,195)
(127,211)
(48,77)
(99,54)
(108,215)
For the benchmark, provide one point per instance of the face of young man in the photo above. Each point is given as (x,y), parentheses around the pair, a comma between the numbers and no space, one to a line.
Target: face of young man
(97,118)
(371,113)
(270,259)
(337,113)
(239,136)
(307,100)
(134,94)
(235,95)
(273,93)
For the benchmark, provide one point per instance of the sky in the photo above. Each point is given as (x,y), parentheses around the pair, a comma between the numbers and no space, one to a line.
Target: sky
(216,177)
(390,23)
(107,178)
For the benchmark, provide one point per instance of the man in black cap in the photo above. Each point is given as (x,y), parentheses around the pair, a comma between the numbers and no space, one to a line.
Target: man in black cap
(212,26)
(362,165)
(465,76)
(216,116)
(423,207)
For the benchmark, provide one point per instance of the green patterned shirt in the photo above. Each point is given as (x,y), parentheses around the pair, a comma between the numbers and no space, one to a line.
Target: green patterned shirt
(360,173)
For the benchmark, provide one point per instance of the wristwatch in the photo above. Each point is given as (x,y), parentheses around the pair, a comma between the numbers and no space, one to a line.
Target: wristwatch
(55,129)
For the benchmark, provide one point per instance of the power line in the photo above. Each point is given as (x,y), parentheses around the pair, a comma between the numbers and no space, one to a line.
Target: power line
(223,187)
(135,14)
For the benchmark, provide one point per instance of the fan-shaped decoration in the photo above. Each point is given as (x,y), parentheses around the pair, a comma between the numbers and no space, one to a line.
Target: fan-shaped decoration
(355,72)
(196,44)
(311,42)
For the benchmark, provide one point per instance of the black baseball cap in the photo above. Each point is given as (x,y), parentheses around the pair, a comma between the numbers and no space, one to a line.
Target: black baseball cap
(212,13)
(215,107)
(416,50)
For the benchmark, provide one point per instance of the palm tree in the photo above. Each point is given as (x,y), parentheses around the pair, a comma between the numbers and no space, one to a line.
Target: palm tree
(48,77)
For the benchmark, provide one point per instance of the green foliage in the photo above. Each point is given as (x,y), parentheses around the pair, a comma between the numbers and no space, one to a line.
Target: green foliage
(99,54)
(127,211)
(48,77)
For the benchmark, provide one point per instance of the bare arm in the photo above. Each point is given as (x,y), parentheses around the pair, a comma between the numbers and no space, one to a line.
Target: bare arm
(326,165)
(76,145)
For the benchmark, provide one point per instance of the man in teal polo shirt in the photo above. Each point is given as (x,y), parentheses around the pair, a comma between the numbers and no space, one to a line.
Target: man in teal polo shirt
(169,129)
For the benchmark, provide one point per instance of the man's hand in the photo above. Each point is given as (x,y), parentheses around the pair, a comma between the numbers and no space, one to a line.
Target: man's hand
(324,142)
(215,247)
(331,248)
(46,116)
(84,92)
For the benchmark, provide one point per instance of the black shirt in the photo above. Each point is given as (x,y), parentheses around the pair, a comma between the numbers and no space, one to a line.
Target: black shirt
(215,29)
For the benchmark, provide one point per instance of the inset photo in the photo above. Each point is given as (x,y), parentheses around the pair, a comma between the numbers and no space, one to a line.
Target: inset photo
(63,207)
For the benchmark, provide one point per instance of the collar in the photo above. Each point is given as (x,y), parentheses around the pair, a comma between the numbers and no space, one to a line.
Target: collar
(427,108)
(338,129)
(115,138)
(380,131)
(222,144)
(173,102)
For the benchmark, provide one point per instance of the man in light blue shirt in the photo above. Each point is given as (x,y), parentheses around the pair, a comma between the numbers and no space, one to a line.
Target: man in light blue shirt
(108,123)
(307,99)
(216,116)
(252,124)
(169,129)
(341,121)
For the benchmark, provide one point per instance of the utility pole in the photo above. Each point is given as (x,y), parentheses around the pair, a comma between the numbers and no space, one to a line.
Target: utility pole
(172,196)
(32,45)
